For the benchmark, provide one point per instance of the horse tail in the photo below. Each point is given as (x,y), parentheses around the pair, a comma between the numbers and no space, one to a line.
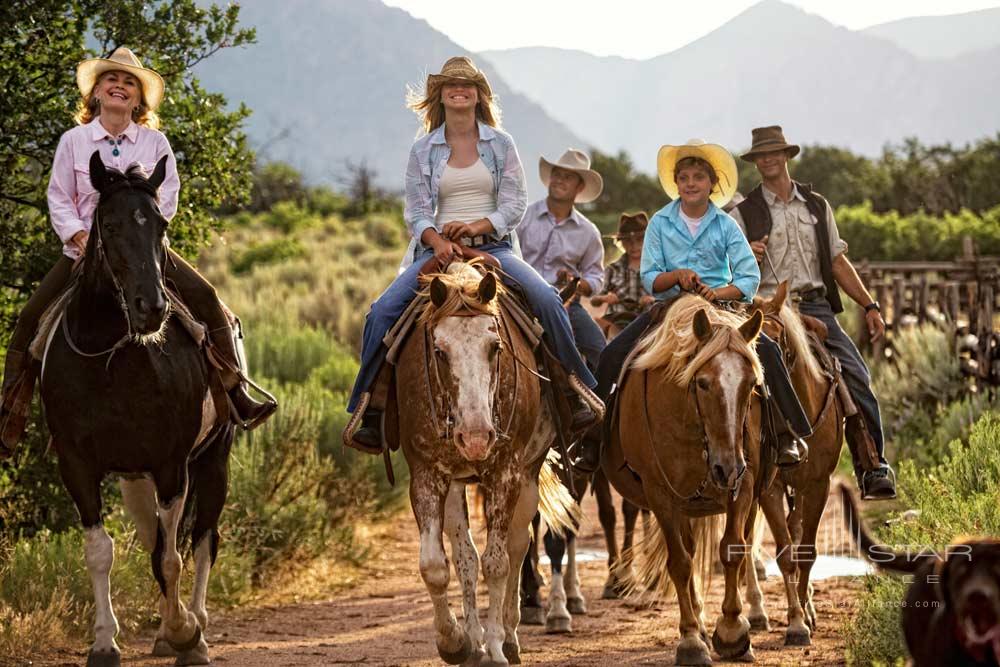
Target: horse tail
(208,480)
(651,553)
(555,503)
(886,559)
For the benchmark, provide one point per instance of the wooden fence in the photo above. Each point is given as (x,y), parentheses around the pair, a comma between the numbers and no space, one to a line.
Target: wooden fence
(963,292)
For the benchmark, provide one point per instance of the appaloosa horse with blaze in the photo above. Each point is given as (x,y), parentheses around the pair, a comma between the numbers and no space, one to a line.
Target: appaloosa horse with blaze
(809,482)
(686,443)
(126,390)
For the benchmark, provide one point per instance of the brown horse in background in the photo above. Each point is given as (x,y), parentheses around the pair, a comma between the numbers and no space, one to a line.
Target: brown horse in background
(472,411)
(795,536)
(686,444)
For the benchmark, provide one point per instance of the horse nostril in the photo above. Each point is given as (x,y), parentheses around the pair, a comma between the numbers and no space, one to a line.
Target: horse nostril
(491,435)
(720,475)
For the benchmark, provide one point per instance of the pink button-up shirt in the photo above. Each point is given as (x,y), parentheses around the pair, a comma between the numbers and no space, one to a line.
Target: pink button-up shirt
(72,197)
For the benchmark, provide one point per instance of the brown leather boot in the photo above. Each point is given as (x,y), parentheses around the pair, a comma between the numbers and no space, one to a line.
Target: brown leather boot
(250,413)
(15,399)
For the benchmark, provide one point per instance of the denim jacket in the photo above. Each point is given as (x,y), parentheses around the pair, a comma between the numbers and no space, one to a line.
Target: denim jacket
(428,158)
(718,252)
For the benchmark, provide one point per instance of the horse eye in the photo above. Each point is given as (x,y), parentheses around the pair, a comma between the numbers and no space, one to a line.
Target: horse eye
(703,384)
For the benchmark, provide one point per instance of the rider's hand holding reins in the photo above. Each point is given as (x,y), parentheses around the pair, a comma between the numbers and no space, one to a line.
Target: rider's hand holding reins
(687,279)
(79,240)
(759,247)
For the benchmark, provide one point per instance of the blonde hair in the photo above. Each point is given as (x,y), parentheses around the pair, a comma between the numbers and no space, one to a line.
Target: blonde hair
(674,346)
(462,280)
(89,108)
(430,109)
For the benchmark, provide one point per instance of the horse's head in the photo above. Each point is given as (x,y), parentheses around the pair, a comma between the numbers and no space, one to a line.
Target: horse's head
(127,241)
(722,386)
(463,325)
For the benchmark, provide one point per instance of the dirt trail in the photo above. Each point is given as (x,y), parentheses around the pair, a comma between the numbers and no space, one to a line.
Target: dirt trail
(386,620)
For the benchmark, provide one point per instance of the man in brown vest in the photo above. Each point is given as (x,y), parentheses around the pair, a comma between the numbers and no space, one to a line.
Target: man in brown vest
(794,236)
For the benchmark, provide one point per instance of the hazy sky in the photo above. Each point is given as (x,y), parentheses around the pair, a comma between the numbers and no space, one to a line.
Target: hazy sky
(634,28)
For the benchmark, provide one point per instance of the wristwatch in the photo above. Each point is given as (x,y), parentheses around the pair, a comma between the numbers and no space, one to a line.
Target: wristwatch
(874,305)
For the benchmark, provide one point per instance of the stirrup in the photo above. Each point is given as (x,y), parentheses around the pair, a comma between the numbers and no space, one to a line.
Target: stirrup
(354,423)
(261,418)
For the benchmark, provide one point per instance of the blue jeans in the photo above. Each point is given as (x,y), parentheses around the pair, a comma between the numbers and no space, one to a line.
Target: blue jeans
(590,340)
(542,297)
(853,367)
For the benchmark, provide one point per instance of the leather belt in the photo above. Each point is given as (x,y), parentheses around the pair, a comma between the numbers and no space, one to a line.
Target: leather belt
(482,239)
(815,294)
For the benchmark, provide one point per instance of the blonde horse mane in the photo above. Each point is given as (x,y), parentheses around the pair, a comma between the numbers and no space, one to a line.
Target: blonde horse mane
(674,346)
(798,338)
(462,280)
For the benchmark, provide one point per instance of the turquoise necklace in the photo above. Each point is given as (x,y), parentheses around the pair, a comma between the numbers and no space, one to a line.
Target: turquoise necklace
(115,143)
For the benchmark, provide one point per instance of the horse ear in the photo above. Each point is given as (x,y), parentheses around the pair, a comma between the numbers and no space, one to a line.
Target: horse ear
(159,173)
(702,327)
(439,292)
(98,173)
(751,328)
(487,288)
(778,300)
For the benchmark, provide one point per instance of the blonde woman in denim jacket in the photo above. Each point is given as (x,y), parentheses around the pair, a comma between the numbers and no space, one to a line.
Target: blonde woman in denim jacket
(464,185)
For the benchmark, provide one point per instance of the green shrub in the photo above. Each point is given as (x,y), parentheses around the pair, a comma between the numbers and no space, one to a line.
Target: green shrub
(268,252)
(288,217)
(873,635)
(287,351)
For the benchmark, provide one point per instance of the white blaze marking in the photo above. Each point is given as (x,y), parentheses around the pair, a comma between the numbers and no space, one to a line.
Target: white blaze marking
(139,218)
(466,341)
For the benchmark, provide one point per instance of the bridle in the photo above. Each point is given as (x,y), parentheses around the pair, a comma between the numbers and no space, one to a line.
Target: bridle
(119,291)
(692,396)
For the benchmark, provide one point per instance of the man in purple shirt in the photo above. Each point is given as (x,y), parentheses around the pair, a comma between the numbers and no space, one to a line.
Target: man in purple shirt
(561,243)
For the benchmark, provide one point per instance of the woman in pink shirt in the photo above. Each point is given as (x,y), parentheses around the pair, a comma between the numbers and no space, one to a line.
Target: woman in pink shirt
(117,118)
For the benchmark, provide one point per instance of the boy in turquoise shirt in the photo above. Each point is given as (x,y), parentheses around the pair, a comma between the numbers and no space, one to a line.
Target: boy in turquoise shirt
(692,245)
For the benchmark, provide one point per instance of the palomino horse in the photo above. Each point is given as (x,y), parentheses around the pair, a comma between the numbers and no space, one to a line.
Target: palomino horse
(795,537)
(126,390)
(686,444)
(473,411)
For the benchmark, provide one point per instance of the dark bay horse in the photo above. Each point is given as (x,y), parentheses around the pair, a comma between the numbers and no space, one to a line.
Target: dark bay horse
(795,535)
(686,445)
(126,390)
(473,411)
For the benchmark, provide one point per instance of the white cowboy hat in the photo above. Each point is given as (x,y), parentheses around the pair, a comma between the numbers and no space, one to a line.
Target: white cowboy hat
(576,161)
(124,60)
(714,154)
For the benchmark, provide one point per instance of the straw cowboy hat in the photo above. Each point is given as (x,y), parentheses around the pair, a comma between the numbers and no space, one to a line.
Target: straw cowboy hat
(460,68)
(717,156)
(767,139)
(578,162)
(124,60)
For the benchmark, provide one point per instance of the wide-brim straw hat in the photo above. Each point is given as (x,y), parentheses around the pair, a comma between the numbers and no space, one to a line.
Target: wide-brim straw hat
(460,68)
(721,160)
(768,139)
(123,60)
(578,162)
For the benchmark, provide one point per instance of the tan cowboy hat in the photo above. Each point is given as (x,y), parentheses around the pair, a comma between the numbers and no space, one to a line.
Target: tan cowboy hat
(124,60)
(717,156)
(576,161)
(463,69)
(767,139)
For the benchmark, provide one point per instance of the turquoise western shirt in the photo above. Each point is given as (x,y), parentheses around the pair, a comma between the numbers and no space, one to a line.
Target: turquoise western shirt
(718,253)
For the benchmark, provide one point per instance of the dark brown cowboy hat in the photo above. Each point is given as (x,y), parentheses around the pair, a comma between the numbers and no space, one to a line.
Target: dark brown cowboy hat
(629,225)
(768,139)
(460,68)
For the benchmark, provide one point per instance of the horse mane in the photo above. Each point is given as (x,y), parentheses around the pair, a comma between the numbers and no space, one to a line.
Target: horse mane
(462,280)
(798,338)
(674,346)
(134,176)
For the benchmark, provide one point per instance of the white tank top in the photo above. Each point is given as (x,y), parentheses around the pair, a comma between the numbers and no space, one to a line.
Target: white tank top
(465,194)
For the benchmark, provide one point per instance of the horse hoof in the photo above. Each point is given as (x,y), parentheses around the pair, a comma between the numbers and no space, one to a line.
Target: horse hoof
(760,624)
(163,649)
(798,638)
(577,606)
(512,652)
(610,592)
(746,657)
(475,658)
(532,616)
(109,658)
(558,626)
(733,649)
(693,651)
(459,656)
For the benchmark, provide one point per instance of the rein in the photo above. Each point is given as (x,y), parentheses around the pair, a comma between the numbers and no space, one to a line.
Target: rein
(102,257)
